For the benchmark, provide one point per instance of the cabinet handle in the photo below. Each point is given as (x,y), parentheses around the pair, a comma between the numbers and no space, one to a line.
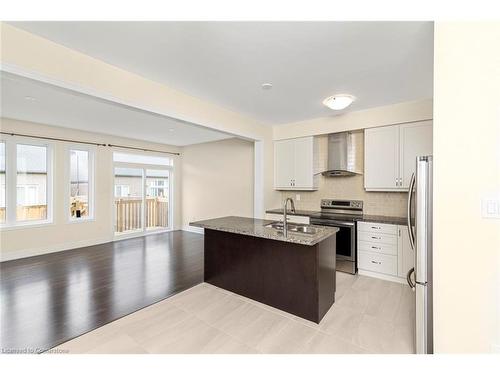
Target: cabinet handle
(376,262)
(376,238)
(375,247)
(376,228)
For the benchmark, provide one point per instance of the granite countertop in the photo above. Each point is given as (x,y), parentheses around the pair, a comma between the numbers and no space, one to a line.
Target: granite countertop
(256,227)
(396,220)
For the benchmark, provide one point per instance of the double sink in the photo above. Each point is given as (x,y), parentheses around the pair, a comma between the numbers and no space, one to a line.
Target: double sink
(296,228)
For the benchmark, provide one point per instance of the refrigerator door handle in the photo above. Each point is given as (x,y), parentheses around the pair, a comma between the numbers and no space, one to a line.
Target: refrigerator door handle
(411,235)
(408,279)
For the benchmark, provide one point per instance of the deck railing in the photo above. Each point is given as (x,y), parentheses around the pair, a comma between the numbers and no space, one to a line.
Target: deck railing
(36,212)
(128,213)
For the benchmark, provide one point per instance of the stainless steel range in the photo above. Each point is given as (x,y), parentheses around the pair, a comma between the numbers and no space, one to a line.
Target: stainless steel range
(344,215)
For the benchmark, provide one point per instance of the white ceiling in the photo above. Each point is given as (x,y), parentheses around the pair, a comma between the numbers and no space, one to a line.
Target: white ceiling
(56,106)
(226,62)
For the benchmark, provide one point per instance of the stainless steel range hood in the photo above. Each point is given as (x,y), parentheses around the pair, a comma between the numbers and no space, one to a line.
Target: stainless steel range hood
(342,158)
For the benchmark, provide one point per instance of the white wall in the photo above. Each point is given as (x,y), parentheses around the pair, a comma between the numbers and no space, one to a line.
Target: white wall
(467,168)
(217,180)
(368,118)
(62,235)
(38,58)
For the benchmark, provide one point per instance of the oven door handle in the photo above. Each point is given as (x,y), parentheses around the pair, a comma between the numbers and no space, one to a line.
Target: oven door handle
(333,223)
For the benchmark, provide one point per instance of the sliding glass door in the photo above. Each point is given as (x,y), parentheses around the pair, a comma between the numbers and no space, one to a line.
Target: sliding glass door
(142,194)
(157,198)
(128,200)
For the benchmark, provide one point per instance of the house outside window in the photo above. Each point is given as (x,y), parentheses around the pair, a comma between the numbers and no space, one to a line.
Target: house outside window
(81,185)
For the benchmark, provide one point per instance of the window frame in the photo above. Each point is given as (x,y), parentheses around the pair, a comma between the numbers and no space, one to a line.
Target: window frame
(91,188)
(11,143)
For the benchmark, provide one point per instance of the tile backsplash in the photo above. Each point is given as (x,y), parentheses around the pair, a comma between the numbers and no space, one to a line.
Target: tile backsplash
(351,187)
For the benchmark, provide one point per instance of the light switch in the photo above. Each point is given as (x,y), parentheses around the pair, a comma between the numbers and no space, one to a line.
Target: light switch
(490,208)
(297,197)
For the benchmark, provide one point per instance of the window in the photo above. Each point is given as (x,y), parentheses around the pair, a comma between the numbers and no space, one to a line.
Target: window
(31,182)
(156,187)
(25,181)
(122,191)
(81,188)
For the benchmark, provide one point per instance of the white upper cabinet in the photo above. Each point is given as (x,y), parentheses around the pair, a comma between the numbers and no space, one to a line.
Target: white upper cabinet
(283,164)
(390,153)
(294,164)
(415,139)
(304,163)
(381,158)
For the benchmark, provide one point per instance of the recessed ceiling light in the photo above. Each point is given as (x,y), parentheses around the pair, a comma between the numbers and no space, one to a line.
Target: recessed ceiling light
(30,98)
(267,86)
(338,102)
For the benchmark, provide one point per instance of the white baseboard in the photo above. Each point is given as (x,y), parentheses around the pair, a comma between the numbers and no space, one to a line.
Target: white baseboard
(25,253)
(382,276)
(189,228)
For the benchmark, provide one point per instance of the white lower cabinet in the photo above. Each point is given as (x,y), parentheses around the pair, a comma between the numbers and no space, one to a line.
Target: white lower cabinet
(381,263)
(384,251)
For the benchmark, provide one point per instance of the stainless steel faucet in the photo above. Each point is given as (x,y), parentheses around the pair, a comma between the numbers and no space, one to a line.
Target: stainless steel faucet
(292,208)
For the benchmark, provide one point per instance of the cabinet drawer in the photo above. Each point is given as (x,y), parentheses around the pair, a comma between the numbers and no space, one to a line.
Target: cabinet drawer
(291,218)
(379,248)
(366,226)
(378,238)
(381,263)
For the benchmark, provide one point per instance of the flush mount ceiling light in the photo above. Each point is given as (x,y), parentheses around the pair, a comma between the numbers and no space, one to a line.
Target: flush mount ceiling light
(267,86)
(338,102)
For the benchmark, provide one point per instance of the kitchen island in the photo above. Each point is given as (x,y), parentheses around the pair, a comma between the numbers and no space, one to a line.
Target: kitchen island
(294,273)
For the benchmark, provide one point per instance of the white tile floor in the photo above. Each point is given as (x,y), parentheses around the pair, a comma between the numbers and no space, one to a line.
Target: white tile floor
(369,316)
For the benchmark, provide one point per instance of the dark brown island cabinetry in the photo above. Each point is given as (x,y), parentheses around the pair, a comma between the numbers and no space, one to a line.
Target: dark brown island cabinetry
(293,277)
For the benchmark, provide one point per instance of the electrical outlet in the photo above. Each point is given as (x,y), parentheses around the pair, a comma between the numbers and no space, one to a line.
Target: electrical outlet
(297,197)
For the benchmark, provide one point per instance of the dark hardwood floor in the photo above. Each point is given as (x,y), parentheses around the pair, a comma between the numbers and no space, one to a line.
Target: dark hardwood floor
(49,299)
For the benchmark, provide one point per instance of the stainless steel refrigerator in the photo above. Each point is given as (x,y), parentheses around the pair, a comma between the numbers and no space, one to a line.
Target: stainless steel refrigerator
(420,232)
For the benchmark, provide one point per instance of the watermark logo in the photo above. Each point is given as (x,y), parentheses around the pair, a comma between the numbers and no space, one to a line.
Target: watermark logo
(33,351)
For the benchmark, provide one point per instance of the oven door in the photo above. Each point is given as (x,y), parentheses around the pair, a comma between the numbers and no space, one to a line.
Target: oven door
(346,237)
